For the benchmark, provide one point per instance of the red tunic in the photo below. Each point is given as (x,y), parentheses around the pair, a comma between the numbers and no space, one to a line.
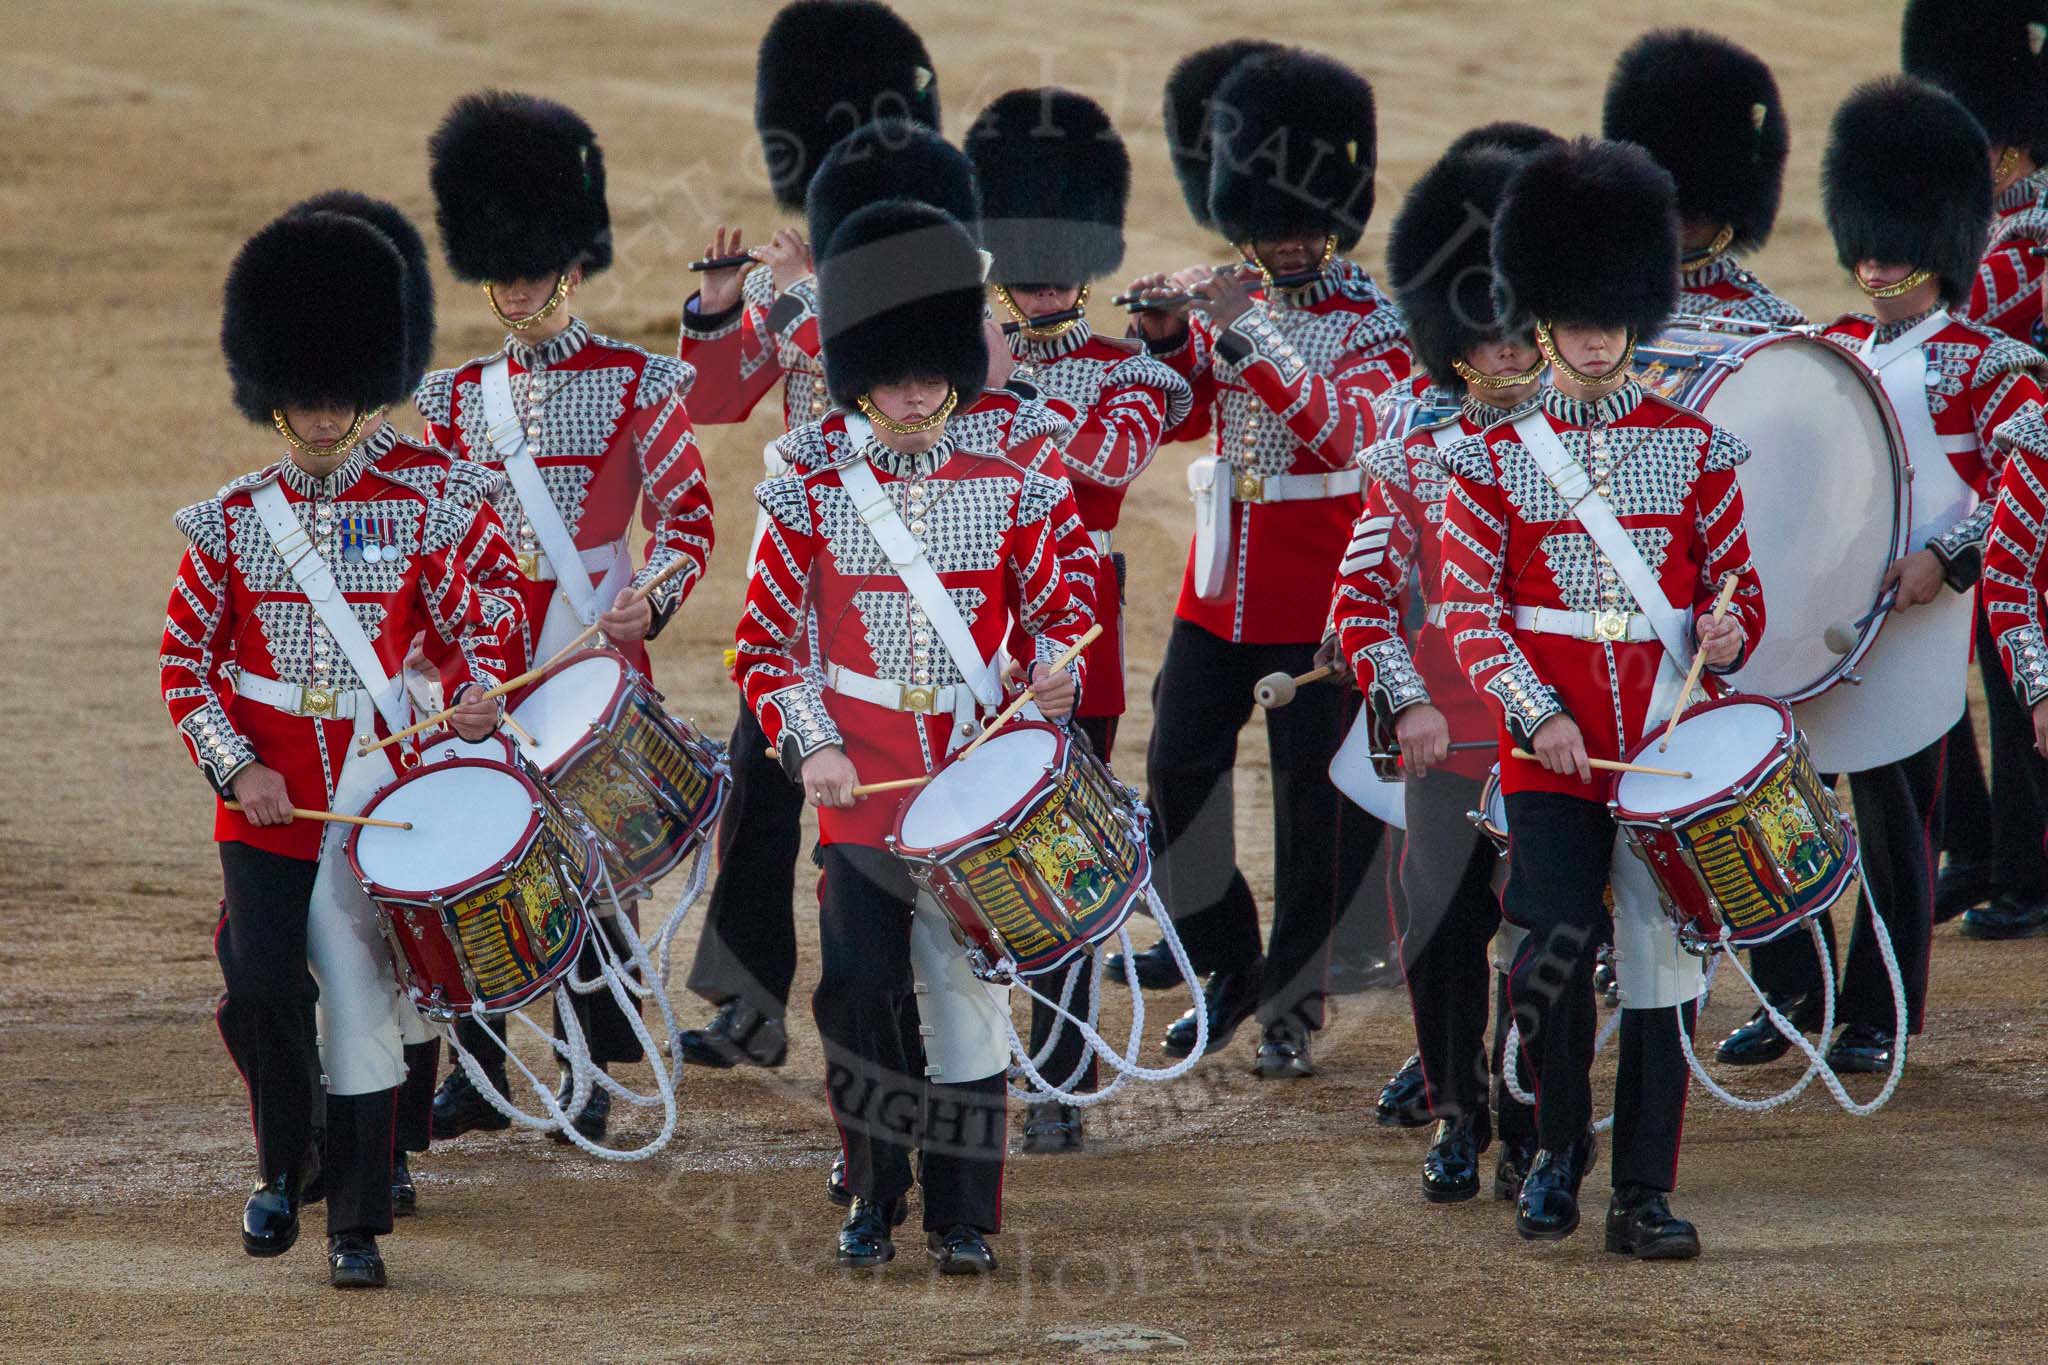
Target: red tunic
(987,526)
(1121,402)
(1510,540)
(1288,389)
(2015,568)
(614,434)
(741,353)
(1398,532)
(235,608)
(2007,293)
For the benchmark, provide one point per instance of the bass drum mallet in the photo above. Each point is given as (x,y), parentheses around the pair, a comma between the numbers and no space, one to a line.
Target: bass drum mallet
(1278,689)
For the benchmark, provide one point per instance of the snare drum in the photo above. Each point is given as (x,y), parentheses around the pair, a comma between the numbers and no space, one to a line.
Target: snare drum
(484,900)
(1752,840)
(648,785)
(1030,847)
(1492,815)
(496,747)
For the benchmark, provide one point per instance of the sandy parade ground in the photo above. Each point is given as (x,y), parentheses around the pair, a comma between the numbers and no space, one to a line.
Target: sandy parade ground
(145,139)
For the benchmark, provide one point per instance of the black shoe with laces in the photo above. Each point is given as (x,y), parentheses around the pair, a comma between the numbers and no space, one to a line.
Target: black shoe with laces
(960,1250)
(1052,1127)
(1758,1041)
(1548,1208)
(270,1220)
(1404,1099)
(864,1236)
(405,1196)
(1640,1224)
(738,1035)
(353,1261)
(459,1108)
(1284,1051)
(2011,914)
(1230,998)
(1155,967)
(592,1120)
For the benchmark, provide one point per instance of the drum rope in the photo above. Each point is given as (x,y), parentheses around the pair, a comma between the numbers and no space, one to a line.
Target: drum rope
(1042,1090)
(1798,1087)
(1093,962)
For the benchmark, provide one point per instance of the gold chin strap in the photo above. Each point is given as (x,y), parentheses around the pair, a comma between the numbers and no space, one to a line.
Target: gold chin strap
(1052,333)
(1266,274)
(1893,291)
(521,324)
(1716,249)
(2002,174)
(340,446)
(890,424)
(1480,380)
(1611,380)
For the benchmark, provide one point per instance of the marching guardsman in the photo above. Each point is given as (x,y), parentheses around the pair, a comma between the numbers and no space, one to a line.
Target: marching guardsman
(1285,373)
(1055,179)
(1709,112)
(304,583)
(879,692)
(585,429)
(1989,55)
(1583,547)
(1906,185)
(1439,263)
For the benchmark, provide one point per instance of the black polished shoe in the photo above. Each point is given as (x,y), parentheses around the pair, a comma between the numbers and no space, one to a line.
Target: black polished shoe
(1364,972)
(1283,1051)
(459,1108)
(1450,1169)
(353,1261)
(960,1250)
(1230,998)
(864,1236)
(835,1182)
(405,1196)
(592,1120)
(1156,969)
(738,1035)
(1548,1208)
(270,1220)
(1052,1127)
(1960,887)
(1640,1224)
(1404,1099)
(1511,1162)
(1758,1041)
(1859,1047)
(1606,985)
(2011,914)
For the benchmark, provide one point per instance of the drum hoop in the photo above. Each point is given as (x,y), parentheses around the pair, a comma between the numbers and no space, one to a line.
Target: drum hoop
(606,714)
(1643,749)
(520,847)
(1062,759)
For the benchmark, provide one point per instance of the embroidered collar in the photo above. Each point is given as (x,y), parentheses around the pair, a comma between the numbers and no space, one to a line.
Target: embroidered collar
(2020,194)
(1481,414)
(1723,269)
(1888,332)
(1333,278)
(554,350)
(342,477)
(1578,412)
(899,465)
(1032,350)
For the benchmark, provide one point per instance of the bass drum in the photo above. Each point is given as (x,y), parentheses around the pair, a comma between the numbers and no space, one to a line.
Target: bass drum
(1825,494)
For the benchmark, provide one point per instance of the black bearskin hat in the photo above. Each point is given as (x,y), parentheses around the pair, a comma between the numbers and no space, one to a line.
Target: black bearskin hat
(1517,137)
(1054,181)
(890,159)
(390,220)
(1189,89)
(1587,234)
(1907,180)
(1708,112)
(900,297)
(285,286)
(518,188)
(826,67)
(1292,144)
(1440,256)
(1990,55)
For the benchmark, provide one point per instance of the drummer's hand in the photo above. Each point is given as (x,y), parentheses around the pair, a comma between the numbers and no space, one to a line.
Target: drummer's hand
(1228,299)
(2041,728)
(1328,652)
(829,778)
(629,620)
(1001,363)
(1561,749)
(1424,736)
(1919,579)
(475,716)
(788,258)
(1720,641)
(1163,323)
(261,792)
(1053,690)
(720,289)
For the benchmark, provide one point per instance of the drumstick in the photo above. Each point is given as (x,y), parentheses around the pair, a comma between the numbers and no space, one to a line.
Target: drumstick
(1067,656)
(1608,765)
(335,817)
(1277,689)
(899,784)
(1699,663)
(519,732)
(514,684)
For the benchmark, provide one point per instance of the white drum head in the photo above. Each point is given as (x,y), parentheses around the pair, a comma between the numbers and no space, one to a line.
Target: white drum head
(1496,806)
(1718,747)
(464,821)
(559,711)
(495,747)
(1821,499)
(972,794)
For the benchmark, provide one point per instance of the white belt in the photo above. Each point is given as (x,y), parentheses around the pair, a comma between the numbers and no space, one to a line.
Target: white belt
(1613,626)
(1433,614)
(323,702)
(922,698)
(537,566)
(1337,483)
(1100,540)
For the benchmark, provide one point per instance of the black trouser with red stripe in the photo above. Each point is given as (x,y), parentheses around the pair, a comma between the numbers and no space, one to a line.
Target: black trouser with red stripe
(880,1100)
(266,1019)
(1560,851)
(747,948)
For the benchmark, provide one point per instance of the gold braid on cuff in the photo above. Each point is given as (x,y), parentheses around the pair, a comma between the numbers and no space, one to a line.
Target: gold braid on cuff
(890,424)
(1613,379)
(521,324)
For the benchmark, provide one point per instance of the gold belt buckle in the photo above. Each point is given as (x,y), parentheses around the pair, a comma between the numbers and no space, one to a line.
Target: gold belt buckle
(529,563)
(1611,626)
(317,701)
(917,699)
(1251,488)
